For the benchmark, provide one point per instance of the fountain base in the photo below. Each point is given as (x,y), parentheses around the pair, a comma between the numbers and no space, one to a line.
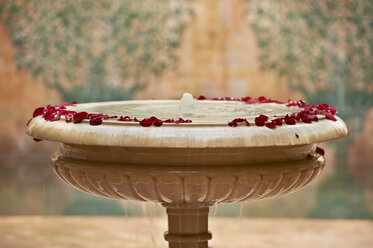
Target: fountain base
(187,225)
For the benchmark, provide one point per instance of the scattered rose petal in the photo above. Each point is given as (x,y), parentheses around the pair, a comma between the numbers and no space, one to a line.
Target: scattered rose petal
(95,122)
(330,117)
(158,123)
(37,140)
(126,118)
(38,111)
(79,117)
(201,98)
(271,125)
(245,99)
(69,117)
(181,120)
(232,124)
(278,121)
(231,99)
(290,120)
(296,135)
(260,120)
(146,122)
(320,151)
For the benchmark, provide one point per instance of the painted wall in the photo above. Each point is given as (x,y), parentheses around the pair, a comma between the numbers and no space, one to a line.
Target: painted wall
(205,47)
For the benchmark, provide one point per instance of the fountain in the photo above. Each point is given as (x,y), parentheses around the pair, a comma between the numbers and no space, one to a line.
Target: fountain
(187,166)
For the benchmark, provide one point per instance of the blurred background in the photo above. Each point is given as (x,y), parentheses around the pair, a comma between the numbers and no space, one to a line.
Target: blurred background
(84,50)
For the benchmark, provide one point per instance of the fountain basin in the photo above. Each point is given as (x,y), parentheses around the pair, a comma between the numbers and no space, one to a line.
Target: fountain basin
(187,176)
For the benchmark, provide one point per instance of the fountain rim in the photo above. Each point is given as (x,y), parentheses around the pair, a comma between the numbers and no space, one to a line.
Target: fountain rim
(186,136)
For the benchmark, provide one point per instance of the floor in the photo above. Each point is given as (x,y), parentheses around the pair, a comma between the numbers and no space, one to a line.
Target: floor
(140,232)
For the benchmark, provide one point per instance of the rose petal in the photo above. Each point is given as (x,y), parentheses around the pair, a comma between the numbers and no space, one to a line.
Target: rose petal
(126,118)
(260,120)
(271,125)
(330,117)
(38,111)
(157,123)
(95,122)
(320,151)
(289,120)
(232,124)
(201,98)
(146,122)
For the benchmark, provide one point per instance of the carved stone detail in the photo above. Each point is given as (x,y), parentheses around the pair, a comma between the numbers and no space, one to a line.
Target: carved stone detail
(178,185)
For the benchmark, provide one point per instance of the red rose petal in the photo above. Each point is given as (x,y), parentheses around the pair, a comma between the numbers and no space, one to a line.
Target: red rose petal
(201,98)
(28,123)
(260,120)
(290,120)
(157,123)
(69,117)
(271,125)
(232,124)
(181,120)
(153,118)
(330,117)
(296,135)
(37,140)
(313,118)
(126,118)
(79,117)
(231,99)
(38,111)
(95,122)
(245,99)
(305,119)
(333,110)
(278,121)
(218,98)
(320,151)
(169,121)
(146,122)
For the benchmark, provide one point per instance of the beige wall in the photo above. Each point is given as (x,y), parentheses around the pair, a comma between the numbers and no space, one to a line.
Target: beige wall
(218,57)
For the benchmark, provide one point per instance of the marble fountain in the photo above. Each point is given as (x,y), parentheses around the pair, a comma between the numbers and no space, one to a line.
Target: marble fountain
(187,166)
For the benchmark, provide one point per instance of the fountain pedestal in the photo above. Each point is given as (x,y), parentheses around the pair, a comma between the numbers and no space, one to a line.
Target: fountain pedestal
(187,225)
